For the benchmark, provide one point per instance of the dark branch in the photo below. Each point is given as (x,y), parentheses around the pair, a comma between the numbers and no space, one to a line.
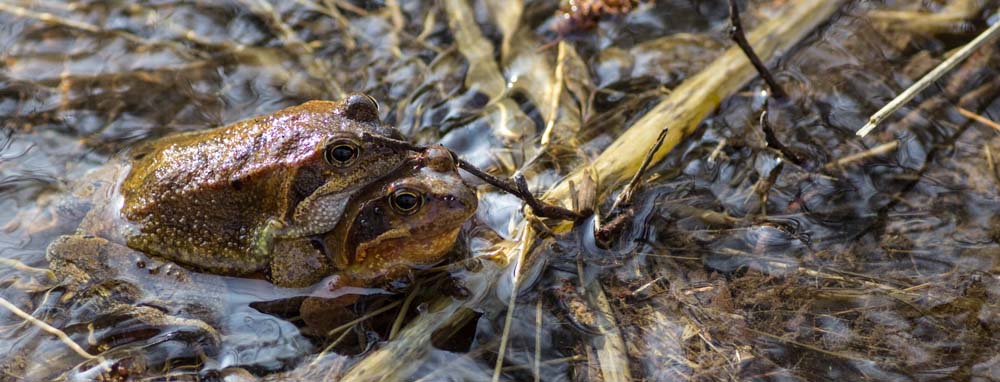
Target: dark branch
(737,34)
(772,139)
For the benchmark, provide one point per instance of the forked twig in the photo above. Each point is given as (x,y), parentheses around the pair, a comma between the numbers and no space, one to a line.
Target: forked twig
(772,139)
(517,187)
(736,33)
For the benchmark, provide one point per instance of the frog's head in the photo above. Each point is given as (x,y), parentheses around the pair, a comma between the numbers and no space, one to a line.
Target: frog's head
(348,159)
(341,162)
(409,219)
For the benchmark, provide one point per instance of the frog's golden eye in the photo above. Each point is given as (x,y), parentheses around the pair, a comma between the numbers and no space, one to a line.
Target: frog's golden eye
(405,201)
(341,153)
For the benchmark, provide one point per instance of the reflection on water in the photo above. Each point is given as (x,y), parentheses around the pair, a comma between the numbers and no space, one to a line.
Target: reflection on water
(736,263)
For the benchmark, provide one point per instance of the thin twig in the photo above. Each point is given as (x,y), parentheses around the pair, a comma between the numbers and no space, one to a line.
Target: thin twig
(362,318)
(927,79)
(398,323)
(46,328)
(978,118)
(537,207)
(877,150)
(524,247)
(806,346)
(736,33)
(517,187)
(625,196)
(536,365)
(351,323)
(328,348)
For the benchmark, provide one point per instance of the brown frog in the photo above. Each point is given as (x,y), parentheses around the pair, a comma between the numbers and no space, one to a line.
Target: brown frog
(406,221)
(218,200)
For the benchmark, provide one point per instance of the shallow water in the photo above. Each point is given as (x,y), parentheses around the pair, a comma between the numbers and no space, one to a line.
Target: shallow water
(884,268)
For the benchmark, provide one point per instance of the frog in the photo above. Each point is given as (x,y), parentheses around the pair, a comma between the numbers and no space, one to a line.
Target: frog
(218,200)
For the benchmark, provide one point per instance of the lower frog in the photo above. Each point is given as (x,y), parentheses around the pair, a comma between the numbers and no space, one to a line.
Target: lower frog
(405,222)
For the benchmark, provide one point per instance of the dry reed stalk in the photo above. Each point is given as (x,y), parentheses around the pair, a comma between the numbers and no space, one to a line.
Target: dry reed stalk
(679,114)
(483,69)
(611,351)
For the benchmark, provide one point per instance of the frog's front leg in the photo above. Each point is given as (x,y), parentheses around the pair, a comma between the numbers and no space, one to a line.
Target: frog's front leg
(317,214)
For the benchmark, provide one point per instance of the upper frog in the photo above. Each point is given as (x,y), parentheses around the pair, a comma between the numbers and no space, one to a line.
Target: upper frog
(218,199)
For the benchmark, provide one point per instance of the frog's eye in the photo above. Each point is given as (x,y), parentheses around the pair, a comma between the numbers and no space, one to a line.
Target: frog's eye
(405,201)
(341,153)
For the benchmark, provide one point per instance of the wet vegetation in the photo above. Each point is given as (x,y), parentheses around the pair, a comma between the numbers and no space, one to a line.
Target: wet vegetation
(732,235)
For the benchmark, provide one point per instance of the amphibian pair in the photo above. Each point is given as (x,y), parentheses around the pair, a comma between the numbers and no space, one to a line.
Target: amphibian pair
(293,197)
(290,196)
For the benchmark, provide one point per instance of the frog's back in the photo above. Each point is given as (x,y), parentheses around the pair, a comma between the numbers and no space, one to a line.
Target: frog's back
(219,158)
